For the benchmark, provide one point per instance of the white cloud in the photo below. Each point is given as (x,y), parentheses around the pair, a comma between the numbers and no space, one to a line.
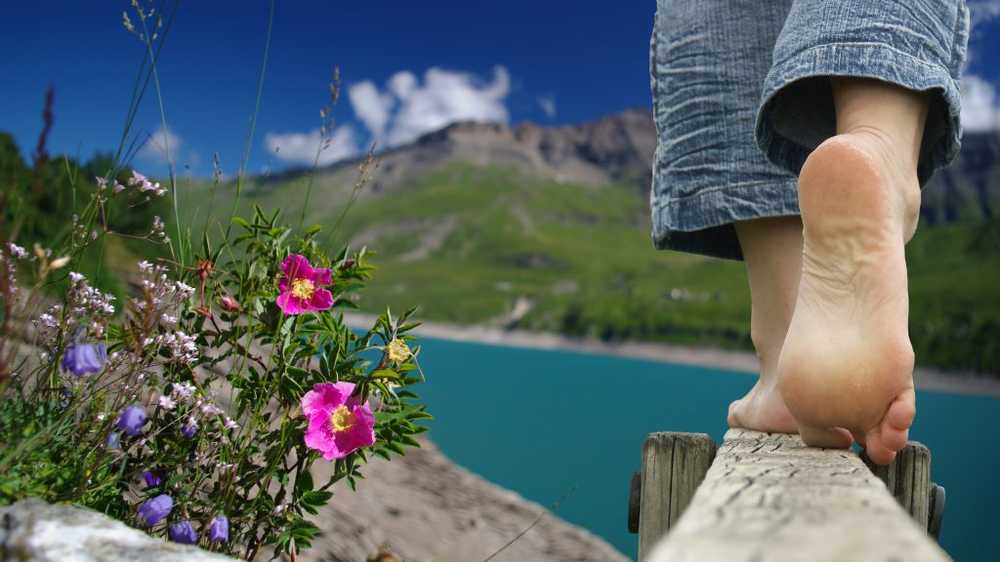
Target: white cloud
(300,148)
(408,108)
(980,105)
(159,144)
(548,104)
(983,10)
(371,107)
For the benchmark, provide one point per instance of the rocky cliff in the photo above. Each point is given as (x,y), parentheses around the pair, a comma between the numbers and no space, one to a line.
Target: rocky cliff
(423,508)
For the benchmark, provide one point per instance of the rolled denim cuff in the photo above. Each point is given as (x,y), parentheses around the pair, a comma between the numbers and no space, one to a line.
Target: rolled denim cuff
(702,223)
(797,112)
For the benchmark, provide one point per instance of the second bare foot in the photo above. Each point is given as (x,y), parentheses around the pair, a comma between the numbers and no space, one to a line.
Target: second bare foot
(846,365)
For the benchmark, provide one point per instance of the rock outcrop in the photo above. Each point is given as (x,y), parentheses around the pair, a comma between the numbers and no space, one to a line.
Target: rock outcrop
(34,531)
(423,508)
(616,149)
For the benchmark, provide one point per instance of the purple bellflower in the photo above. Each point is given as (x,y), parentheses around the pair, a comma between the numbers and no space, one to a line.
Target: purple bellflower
(83,358)
(155,510)
(183,532)
(218,530)
(152,478)
(132,419)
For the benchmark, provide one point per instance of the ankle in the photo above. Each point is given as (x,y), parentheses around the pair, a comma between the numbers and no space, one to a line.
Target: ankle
(897,165)
(768,348)
(896,112)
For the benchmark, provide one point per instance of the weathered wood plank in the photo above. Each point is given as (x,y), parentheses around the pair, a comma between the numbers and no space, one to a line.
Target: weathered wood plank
(908,478)
(768,497)
(673,465)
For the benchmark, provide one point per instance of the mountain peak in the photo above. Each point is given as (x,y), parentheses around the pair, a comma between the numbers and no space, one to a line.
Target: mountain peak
(617,148)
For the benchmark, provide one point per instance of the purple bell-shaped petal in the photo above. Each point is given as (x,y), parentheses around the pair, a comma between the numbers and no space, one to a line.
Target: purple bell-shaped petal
(218,530)
(190,428)
(152,478)
(155,510)
(83,358)
(132,419)
(182,532)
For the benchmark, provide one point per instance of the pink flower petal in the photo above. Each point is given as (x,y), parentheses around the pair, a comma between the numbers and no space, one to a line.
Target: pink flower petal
(361,435)
(320,436)
(321,276)
(321,300)
(289,304)
(318,403)
(324,397)
(295,266)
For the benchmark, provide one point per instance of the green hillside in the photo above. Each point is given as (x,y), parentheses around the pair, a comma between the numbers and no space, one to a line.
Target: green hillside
(489,245)
(477,244)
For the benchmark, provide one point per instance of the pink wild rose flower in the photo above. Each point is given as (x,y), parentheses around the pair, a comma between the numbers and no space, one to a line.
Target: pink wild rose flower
(301,287)
(339,423)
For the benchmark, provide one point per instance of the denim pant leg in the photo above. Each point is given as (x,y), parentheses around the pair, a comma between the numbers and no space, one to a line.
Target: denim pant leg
(917,44)
(708,60)
(711,60)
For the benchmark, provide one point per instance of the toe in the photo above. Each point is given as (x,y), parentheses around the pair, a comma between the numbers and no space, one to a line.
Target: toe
(892,438)
(895,427)
(902,411)
(876,449)
(827,438)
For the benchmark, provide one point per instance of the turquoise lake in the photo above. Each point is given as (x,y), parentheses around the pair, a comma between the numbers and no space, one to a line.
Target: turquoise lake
(550,423)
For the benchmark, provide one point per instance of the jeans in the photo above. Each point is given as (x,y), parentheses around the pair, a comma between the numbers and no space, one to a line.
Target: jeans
(741,96)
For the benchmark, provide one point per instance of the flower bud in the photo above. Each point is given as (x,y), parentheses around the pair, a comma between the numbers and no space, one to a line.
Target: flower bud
(229,303)
(218,530)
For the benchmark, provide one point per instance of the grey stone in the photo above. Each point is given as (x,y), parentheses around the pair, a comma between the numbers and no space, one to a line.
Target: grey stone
(32,530)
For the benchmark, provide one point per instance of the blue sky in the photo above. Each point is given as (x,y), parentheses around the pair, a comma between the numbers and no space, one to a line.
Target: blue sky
(407,67)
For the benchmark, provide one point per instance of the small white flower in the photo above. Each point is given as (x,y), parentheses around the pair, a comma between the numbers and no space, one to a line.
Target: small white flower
(230,424)
(210,409)
(167,403)
(16,251)
(183,390)
(75,277)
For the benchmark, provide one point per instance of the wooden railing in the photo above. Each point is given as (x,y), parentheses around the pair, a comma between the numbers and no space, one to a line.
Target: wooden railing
(767,497)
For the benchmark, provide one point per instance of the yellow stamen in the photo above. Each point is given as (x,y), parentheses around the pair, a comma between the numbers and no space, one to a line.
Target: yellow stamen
(397,351)
(303,289)
(342,419)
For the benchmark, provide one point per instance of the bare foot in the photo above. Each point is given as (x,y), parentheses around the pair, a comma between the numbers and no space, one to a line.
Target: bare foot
(772,248)
(762,409)
(846,365)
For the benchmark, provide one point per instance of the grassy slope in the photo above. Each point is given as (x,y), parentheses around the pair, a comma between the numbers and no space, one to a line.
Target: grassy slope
(466,242)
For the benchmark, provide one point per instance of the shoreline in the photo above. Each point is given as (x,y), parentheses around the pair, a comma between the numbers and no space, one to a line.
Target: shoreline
(736,361)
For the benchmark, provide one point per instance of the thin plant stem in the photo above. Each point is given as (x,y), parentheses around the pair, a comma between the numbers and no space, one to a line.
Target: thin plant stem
(253,121)
(166,134)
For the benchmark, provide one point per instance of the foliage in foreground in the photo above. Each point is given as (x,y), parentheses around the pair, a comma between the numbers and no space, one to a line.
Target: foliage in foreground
(192,394)
(188,407)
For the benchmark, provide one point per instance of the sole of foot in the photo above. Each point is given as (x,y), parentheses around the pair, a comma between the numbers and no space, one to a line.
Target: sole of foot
(846,366)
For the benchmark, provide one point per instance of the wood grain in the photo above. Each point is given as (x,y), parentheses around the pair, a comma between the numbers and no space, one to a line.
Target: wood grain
(673,465)
(768,497)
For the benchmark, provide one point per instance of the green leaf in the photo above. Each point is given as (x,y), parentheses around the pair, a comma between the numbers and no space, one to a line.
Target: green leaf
(303,483)
(388,374)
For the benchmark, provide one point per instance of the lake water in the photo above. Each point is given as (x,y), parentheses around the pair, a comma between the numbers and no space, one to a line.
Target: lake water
(549,423)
